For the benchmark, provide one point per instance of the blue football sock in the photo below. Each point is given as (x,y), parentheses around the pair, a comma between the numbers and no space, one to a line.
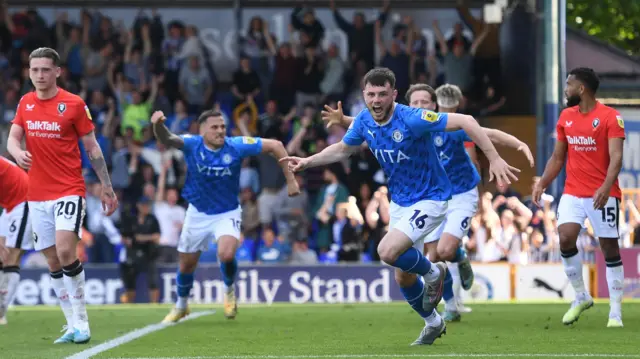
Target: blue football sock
(413,261)
(460,255)
(413,294)
(184,282)
(229,270)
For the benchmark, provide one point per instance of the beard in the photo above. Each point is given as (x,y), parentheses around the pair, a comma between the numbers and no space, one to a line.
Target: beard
(382,115)
(573,100)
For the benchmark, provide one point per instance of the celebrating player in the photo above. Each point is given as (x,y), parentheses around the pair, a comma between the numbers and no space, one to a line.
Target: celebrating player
(445,242)
(15,230)
(52,120)
(212,189)
(590,137)
(400,139)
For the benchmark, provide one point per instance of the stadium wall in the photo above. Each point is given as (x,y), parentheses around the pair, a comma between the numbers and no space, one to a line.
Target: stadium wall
(313,284)
(523,128)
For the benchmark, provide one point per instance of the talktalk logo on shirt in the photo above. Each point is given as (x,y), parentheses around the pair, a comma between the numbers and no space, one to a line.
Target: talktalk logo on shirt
(43,126)
(581,140)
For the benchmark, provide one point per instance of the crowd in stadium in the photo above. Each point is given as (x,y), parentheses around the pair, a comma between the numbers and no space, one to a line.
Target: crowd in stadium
(278,90)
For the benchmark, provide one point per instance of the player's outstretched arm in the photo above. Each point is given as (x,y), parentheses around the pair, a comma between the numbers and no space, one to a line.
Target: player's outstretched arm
(498,167)
(551,170)
(334,153)
(505,139)
(163,134)
(109,200)
(277,150)
(336,116)
(22,158)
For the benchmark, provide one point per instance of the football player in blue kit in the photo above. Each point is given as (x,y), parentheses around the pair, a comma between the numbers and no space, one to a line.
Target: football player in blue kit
(400,138)
(444,244)
(464,177)
(212,189)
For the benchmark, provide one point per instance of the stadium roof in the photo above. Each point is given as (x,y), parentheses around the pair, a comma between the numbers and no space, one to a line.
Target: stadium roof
(619,72)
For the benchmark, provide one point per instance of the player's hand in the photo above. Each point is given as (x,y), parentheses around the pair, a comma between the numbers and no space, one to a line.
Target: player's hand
(158,117)
(502,171)
(536,192)
(109,201)
(333,117)
(527,153)
(293,188)
(24,159)
(601,197)
(296,164)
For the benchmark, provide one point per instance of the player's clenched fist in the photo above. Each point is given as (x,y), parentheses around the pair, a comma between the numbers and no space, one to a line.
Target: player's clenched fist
(23,159)
(296,164)
(109,200)
(158,117)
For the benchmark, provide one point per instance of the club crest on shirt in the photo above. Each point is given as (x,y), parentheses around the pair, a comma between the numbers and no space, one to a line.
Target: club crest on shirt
(429,116)
(438,141)
(620,121)
(62,107)
(226,158)
(595,123)
(248,140)
(397,136)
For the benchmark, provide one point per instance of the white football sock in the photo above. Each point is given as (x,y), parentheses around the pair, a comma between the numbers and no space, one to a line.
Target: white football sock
(451,305)
(12,280)
(455,275)
(74,282)
(433,320)
(3,284)
(57,283)
(615,282)
(182,302)
(433,274)
(573,270)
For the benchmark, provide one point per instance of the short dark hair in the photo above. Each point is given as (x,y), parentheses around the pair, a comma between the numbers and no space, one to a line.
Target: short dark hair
(208,113)
(380,76)
(421,87)
(588,78)
(46,53)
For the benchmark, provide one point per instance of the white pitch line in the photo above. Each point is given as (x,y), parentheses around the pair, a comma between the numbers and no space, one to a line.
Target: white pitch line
(354,356)
(133,335)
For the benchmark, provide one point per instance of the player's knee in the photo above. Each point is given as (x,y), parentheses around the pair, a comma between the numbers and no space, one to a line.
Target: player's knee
(568,236)
(404,279)
(52,259)
(226,255)
(447,250)
(387,253)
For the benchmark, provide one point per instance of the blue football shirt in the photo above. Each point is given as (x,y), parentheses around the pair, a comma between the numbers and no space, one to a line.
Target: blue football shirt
(405,150)
(213,176)
(456,161)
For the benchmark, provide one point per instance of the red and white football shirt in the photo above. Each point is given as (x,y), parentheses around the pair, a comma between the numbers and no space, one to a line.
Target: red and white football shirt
(52,129)
(587,136)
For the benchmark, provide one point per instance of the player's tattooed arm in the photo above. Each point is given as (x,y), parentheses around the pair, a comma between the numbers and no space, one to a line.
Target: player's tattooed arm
(167,137)
(96,158)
